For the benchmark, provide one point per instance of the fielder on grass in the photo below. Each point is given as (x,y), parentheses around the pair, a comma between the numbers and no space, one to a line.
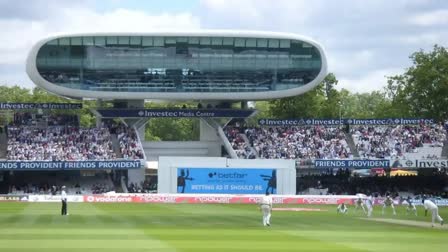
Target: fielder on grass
(266,209)
(360,204)
(410,206)
(431,206)
(342,208)
(369,205)
(388,202)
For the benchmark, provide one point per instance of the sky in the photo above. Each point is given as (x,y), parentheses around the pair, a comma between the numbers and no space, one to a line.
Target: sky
(365,40)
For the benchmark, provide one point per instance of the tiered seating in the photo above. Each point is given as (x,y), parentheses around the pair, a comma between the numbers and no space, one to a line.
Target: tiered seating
(70,143)
(307,142)
(240,146)
(59,143)
(399,141)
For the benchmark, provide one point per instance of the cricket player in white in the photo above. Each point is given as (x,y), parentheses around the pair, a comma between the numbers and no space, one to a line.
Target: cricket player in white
(388,202)
(359,204)
(431,206)
(342,208)
(410,206)
(266,208)
(369,204)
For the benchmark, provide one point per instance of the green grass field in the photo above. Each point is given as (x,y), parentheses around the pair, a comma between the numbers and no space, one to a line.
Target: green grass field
(38,227)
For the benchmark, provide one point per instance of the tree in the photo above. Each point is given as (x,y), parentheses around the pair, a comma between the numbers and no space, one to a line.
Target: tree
(318,102)
(331,106)
(14,94)
(422,91)
(263,111)
(172,129)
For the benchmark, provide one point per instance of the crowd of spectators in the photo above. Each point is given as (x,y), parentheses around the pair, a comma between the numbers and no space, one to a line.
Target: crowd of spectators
(33,188)
(60,139)
(44,188)
(343,183)
(147,186)
(130,146)
(100,188)
(396,141)
(327,142)
(59,143)
(242,149)
(307,142)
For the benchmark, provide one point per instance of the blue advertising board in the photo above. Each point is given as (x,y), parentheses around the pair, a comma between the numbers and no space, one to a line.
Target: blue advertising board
(350,121)
(11,105)
(352,163)
(176,113)
(70,165)
(226,181)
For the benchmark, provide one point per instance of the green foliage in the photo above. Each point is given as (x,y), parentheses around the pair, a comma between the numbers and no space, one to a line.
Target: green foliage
(366,105)
(172,129)
(319,102)
(15,94)
(263,111)
(422,91)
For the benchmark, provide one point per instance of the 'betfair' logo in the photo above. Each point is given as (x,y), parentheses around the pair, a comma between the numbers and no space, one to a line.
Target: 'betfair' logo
(231,175)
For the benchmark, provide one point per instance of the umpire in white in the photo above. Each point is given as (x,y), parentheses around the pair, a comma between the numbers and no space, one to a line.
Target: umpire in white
(64,201)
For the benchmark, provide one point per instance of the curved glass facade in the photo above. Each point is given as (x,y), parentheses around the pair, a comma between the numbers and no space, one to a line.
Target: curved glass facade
(178,64)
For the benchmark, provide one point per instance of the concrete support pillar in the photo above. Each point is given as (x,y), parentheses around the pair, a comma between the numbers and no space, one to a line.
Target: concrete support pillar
(210,135)
(99,104)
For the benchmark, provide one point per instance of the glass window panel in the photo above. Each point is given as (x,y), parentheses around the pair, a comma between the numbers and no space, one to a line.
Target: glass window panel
(262,43)
(182,39)
(76,41)
(216,41)
(135,40)
(123,40)
(64,41)
(273,43)
(158,41)
(240,42)
(305,45)
(296,43)
(228,41)
(285,43)
(87,41)
(170,40)
(100,41)
(251,42)
(193,40)
(205,41)
(52,42)
(147,41)
(112,40)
